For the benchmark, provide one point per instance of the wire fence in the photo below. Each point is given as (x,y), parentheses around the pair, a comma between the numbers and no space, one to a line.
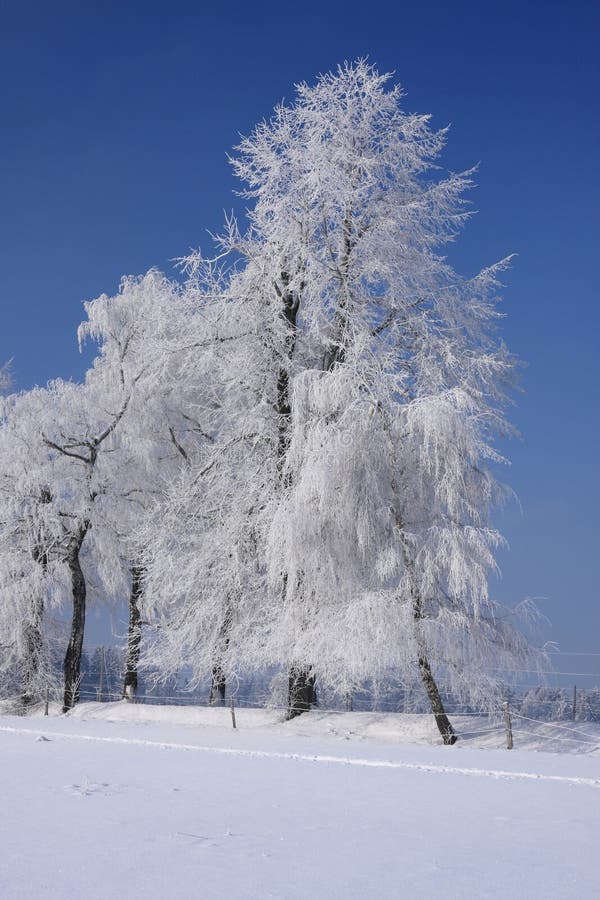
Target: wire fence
(498,728)
(536,713)
(540,701)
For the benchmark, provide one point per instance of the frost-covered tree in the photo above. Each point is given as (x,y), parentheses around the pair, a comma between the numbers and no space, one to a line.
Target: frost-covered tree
(290,460)
(132,329)
(106,448)
(141,370)
(5,380)
(71,433)
(362,378)
(199,543)
(76,424)
(31,580)
(396,384)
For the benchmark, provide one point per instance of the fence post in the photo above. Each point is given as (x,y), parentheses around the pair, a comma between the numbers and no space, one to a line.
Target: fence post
(508,725)
(574,701)
(100,689)
(233,714)
(47,701)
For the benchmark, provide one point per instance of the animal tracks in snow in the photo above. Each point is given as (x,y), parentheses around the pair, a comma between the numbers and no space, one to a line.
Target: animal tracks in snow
(89,788)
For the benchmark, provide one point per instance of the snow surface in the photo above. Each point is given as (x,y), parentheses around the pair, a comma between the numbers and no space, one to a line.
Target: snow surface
(167,802)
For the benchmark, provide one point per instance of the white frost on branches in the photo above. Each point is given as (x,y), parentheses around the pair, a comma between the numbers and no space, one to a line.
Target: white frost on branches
(296,449)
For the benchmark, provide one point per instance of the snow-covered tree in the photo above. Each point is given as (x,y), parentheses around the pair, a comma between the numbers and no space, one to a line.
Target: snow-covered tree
(31,580)
(105,449)
(142,369)
(395,389)
(291,459)
(5,380)
(363,380)
(131,330)
(76,424)
(71,433)
(199,545)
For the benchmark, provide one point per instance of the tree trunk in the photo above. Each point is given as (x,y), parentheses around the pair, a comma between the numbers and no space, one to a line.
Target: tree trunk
(335,352)
(301,683)
(302,691)
(134,636)
(218,684)
(33,637)
(437,707)
(290,305)
(33,654)
(72,664)
(218,681)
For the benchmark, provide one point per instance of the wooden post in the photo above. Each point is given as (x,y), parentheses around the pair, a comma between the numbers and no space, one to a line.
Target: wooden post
(47,701)
(574,701)
(348,702)
(508,725)
(100,690)
(233,714)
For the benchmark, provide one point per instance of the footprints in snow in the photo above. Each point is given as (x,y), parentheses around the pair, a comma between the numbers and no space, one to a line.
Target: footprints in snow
(89,788)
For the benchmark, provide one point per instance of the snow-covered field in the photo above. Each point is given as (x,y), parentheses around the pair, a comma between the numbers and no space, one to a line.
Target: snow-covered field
(163,802)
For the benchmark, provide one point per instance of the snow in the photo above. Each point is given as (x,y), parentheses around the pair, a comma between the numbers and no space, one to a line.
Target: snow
(155,802)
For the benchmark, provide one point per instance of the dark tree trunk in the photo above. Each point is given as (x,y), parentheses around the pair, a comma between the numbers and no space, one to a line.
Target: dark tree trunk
(33,654)
(302,691)
(218,681)
(218,684)
(134,636)
(335,352)
(437,707)
(72,664)
(33,637)
(290,305)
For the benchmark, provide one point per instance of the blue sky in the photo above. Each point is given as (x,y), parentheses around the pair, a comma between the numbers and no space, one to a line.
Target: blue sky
(116,119)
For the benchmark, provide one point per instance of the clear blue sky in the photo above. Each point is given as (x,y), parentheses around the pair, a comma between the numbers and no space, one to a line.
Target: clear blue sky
(115,120)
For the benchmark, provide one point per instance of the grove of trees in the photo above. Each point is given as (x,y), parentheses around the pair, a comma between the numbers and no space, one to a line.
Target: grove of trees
(286,456)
